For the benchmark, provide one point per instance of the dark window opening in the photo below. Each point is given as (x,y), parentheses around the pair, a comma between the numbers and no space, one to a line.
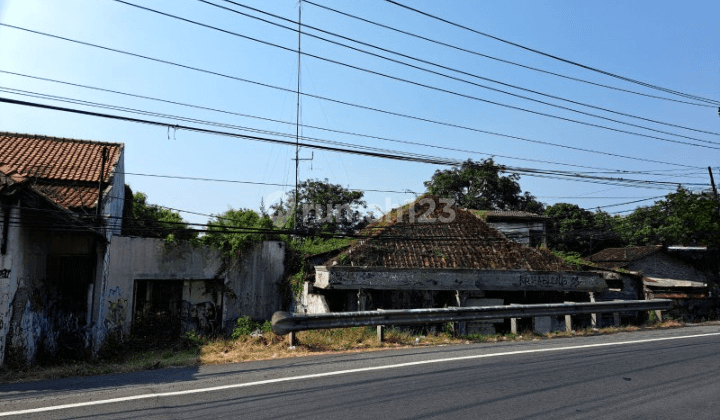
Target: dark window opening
(537,238)
(157,308)
(68,281)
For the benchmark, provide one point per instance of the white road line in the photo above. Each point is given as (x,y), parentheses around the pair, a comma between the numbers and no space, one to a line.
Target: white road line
(336,373)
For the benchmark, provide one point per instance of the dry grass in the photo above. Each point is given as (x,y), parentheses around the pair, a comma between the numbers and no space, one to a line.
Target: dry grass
(271,346)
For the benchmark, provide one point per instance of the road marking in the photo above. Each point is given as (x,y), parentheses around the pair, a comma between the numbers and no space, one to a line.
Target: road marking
(336,373)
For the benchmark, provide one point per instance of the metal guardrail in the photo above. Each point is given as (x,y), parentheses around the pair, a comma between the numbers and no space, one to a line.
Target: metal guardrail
(285,322)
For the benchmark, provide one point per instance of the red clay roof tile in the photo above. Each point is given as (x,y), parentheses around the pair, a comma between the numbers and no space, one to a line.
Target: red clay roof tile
(65,170)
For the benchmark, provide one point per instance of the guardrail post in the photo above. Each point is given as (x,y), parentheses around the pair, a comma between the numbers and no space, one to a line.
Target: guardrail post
(568,322)
(593,317)
(513,322)
(292,339)
(616,316)
(658,313)
(380,331)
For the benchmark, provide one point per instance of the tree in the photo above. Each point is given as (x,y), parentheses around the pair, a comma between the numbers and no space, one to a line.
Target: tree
(574,229)
(322,207)
(235,231)
(682,217)
(150,220)
(480,186)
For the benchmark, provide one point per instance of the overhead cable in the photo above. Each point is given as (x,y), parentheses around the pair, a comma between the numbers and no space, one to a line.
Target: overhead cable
(398,114)
(713,102)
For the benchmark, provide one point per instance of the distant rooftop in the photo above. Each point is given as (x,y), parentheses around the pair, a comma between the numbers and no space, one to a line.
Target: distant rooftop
(506,214)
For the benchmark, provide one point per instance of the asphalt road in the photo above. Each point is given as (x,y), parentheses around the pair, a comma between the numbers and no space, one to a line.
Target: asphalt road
(671,374)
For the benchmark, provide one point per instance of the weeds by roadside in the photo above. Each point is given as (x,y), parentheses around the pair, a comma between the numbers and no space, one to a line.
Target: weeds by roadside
(253,341)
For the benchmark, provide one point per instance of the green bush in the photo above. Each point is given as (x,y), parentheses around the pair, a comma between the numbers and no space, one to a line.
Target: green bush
(244,326)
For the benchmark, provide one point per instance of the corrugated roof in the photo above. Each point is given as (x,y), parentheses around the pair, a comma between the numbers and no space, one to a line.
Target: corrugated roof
(65,170)
(464,242)
(619,256)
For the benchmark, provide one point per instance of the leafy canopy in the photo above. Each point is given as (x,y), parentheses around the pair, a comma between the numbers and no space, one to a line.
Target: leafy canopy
(572,229)
(322,207)
(234,231)
(682,217)
(151,220)
(480,186)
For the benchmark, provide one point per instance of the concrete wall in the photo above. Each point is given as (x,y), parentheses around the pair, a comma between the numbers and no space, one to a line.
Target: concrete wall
(664,266)
(114,199)
(10,274)
(257,283)
(252,286)
(34,319)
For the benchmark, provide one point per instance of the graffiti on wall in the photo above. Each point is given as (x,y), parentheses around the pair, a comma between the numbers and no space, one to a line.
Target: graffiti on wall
(115,317)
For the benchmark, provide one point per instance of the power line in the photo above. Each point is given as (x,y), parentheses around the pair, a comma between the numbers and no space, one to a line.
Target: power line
(308,125)
(427,120)
(447,91)
(574,63)
(455,47)
(463,73)
(432,160)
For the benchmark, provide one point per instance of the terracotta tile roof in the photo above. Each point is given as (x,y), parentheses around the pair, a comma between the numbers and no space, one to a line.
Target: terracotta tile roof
(619,257)
(503,214)
(465,242)
(65,170)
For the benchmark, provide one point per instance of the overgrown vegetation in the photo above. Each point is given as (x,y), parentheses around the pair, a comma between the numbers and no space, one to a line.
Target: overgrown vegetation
(141,218)
(235,231)
(197,350)
(573,258)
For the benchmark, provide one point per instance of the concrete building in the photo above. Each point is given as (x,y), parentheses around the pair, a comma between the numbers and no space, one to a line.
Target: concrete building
(69,282)
(426,255)
(667,273)
(62,202)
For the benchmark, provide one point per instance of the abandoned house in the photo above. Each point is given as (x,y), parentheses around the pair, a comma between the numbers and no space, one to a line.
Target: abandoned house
(676,272)
(427,255)
(61,205)
(69,279)
(520,226)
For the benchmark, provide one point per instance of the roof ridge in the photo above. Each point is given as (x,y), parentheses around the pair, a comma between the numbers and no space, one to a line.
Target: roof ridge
(59,139)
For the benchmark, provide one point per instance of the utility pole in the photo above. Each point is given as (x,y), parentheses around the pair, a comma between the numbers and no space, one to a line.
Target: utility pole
(297,119)
(712,183)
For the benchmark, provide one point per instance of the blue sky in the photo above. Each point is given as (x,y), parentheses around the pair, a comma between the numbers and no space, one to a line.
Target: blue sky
(671,44)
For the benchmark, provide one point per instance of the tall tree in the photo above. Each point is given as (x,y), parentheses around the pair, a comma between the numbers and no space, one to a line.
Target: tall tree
(682,217)
(322,206)
(480,186)
(574,229)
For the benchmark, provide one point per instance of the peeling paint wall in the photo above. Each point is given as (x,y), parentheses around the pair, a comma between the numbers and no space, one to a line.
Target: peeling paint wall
(9,279)
(249,287)
(256,282)
(36,320)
